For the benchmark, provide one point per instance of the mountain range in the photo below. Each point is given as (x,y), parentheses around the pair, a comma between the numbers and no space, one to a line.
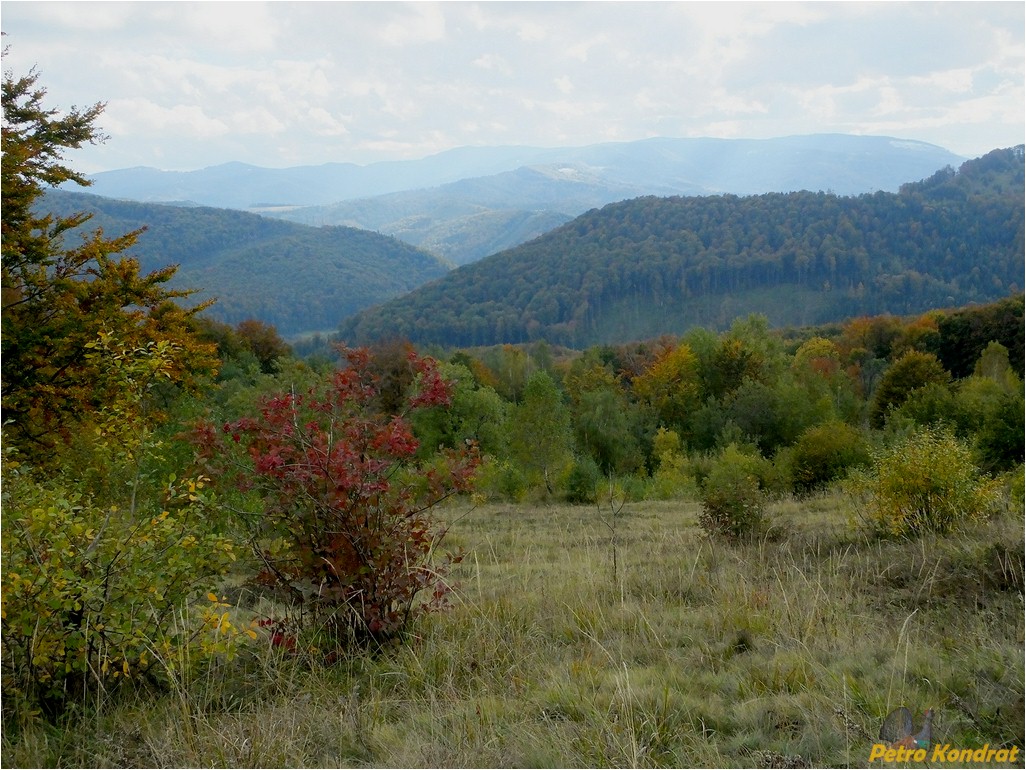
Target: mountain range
(466,203)
(648,265)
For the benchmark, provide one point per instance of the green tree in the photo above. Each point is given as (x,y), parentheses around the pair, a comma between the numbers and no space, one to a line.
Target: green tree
(58,298)
(913,370)
(540,436)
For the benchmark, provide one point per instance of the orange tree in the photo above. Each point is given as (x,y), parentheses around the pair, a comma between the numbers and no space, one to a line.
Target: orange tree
(343,523)
(59,298)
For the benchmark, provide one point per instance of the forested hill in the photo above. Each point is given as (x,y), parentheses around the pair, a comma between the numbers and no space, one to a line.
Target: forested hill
(650,266)
(297,277)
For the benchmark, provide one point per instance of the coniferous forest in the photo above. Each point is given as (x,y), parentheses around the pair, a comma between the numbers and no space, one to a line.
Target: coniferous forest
(630,538)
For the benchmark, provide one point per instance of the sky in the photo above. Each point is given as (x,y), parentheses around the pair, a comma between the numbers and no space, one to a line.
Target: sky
(194,84)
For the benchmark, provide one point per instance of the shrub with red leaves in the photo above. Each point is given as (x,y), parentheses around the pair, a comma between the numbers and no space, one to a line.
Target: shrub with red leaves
(342,489)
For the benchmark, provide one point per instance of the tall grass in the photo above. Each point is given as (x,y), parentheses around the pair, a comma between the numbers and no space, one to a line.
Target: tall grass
(784,651)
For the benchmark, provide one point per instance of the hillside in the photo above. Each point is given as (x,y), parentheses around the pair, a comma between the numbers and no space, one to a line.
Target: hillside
(649,266)
(296,277)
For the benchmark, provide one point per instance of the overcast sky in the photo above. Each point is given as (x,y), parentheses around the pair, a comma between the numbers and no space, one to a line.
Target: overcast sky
(189,85)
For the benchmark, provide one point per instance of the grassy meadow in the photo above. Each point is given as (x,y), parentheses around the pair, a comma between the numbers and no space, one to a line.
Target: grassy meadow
(786,651)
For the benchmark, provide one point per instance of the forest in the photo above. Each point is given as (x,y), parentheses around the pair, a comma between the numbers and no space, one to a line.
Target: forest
(298,278)
(206,532)
(642,267)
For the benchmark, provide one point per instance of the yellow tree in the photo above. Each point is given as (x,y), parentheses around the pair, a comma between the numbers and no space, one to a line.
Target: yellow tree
(671,385)
(57,299)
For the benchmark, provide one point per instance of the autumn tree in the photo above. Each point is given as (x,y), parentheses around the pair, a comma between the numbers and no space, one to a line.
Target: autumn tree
(912,371)
(58,297)
(671,386)
(264,342)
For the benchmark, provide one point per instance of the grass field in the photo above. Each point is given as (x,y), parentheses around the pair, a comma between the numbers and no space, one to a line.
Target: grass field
(787,651)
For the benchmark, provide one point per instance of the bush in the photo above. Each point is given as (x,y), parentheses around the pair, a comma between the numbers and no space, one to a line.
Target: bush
(733,505)
(582,480)
(501,479)
(926,483)
(674,477)
(345,497)
(100,557)
(89,589)
(825,453)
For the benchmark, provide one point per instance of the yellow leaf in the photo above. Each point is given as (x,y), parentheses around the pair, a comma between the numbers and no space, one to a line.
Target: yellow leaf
(212,597)
(251,633)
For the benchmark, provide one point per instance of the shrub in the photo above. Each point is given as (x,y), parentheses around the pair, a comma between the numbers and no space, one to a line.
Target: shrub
(926,483)
(733,505)
(346,498)
(99,557)
(89,589)
(582,480)
(825,453)
(500,479)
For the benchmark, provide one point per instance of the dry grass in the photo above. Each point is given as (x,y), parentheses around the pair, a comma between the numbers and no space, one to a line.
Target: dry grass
(787,651)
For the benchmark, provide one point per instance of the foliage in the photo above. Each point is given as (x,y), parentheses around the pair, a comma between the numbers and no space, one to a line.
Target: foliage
(582,481)
(57,299)
(827,452)
(264,342)
(673,478)
(671,385)
(345,526)
(926,483)
(501,479)
(913,370)
(90,583)
(733,505)
(540,435)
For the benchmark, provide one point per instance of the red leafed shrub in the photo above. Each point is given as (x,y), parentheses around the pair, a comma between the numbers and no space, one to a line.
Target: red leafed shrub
(345,526)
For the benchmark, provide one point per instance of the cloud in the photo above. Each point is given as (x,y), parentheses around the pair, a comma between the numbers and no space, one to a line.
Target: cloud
(413,23)
(141,116)
(281,82)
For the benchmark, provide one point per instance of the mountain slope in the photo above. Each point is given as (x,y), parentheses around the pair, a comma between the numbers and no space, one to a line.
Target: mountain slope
(453,217)
(655,265)
(296,277)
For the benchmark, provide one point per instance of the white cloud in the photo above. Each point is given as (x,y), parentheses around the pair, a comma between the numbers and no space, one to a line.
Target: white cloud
(286,82)
(413,23)
(140,116)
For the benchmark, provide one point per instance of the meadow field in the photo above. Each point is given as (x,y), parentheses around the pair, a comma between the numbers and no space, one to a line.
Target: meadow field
(785,651)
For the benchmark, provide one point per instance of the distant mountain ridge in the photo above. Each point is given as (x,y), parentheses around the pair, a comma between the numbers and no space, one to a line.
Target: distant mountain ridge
(841,163)
(649,266)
